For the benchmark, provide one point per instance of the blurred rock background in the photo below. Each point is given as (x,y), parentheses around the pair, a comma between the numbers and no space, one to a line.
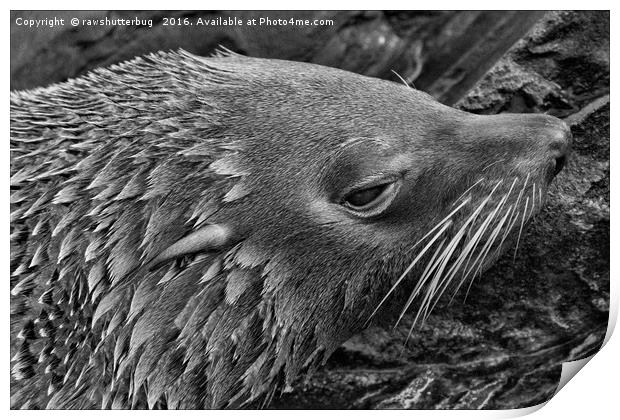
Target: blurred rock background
(502,346)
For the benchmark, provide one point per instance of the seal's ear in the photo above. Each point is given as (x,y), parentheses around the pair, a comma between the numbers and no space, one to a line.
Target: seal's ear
(210,237)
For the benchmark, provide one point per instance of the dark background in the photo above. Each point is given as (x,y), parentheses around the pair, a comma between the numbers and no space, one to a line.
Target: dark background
(502,347)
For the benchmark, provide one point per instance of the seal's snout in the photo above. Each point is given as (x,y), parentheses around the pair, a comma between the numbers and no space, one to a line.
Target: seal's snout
(535,141)
(559,164)
(558,138)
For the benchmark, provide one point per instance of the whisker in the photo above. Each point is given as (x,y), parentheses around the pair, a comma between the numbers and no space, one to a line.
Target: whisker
(494,236)
(515,216)
(533,200)
(429,269)
(437,281)
(480,230)
(470,250)
(483,228)
(513,220)
(505,197)
(408,269)
(521,228)
(517,205)
(512,185)
(491,164)
(511,210)
(442,221)
(507,231)
(540,198)
(402,80)
(439,267)
(464,253)
(468,190)
(527,178)
(412,296)
(487,246)
(521,192)
(444,265)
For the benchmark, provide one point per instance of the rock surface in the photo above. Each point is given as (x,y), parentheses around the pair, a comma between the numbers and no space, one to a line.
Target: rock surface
(454,47)
(503,345)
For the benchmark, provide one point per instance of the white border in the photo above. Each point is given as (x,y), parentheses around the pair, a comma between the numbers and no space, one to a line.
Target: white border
(592,394)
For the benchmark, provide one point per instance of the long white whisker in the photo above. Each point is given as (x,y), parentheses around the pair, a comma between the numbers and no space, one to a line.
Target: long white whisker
(468,190)
(521,228)
(442,222)
(464,253)
(408,269)
(483,254)
(513,220)
(521,192)
(476,236)
(512,186)
(424,306)
(486,250)
(533,200)
(446,223)
(505,235)
(429,269)
(491,164)
(435,282)
(440,282)
(510,207)
(505,198)
(527,178)
(494,236)
(540,198)
(483,228)
(402,80)
(444,226)
(514,216)
(471,249)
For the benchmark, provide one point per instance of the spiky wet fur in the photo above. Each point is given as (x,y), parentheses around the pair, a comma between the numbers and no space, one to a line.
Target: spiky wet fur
(107,171)
(110,169)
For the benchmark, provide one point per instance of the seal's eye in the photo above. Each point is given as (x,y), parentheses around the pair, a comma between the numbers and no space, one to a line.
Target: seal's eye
(364,197)
(371,200)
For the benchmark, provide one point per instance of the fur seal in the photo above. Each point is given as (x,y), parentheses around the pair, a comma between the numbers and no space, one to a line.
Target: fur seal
(192,232)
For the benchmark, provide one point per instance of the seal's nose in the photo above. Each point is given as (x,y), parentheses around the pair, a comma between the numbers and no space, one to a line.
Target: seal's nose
(559,137)
(531,142)
(559,164)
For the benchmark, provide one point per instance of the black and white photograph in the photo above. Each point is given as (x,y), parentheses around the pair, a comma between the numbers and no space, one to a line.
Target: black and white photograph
(306,209)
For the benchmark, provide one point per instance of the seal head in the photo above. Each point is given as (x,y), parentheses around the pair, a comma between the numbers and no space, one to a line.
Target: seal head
(194,232)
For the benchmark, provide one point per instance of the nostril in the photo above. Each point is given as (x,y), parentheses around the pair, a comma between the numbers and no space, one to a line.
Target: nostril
(560,139)
(559,164)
